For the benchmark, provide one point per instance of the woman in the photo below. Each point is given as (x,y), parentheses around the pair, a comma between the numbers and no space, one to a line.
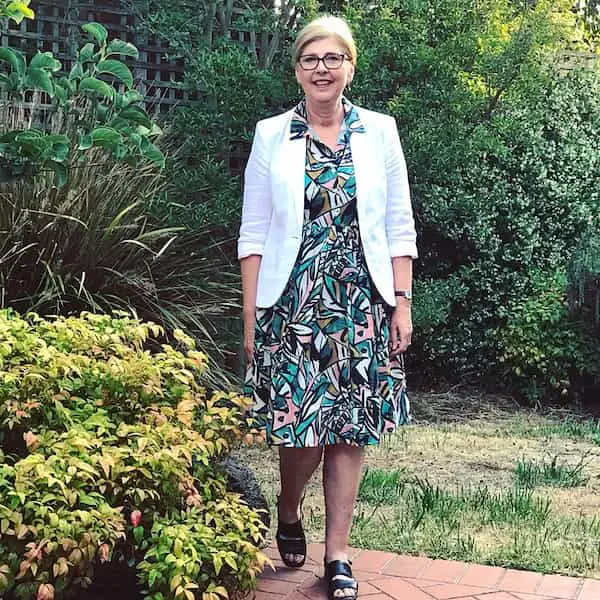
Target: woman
(326,247)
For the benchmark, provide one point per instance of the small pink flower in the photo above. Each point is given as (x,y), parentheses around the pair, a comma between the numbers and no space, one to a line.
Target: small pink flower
(135,517)
(31,440)
(45,592)
(103,552)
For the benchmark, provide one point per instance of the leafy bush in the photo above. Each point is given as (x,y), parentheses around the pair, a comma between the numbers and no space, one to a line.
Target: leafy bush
(107,452)
(96,243)
(546,350)
(98,114)
(232,87)
(503,152)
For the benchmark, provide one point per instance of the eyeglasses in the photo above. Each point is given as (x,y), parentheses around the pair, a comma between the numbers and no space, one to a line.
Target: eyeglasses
(309,62)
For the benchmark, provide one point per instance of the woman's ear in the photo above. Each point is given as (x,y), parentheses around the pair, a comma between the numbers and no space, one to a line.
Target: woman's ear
(350,76)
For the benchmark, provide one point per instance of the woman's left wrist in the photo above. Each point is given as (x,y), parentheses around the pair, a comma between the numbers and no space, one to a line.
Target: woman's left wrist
(403,304)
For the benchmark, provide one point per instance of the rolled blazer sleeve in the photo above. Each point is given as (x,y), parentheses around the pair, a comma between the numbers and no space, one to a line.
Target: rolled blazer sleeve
(257,205)
(399,220)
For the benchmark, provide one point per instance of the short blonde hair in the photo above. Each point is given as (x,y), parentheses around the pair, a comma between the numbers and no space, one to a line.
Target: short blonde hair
(322,28)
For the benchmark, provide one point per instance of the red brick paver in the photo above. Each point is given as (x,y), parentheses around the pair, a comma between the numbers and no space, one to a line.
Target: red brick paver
(387,576)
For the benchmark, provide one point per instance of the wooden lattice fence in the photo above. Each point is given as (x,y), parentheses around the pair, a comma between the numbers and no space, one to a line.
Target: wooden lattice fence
(57,28)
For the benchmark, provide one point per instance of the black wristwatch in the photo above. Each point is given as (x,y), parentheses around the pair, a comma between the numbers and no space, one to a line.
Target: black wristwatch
(403,294)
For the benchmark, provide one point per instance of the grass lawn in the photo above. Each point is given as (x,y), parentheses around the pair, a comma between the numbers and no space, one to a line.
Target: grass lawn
(477,479)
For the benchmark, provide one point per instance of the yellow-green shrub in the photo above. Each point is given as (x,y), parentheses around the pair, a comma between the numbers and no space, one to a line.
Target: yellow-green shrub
(108,438)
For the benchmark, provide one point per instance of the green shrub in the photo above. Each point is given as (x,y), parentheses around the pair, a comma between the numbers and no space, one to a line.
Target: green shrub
(105,449)
(502,152)
(503,155)
(97,113)
(94,244)
(547,351)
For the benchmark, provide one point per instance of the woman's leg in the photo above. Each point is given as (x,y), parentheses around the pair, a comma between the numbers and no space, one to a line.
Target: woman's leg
(296,466)
(342,471)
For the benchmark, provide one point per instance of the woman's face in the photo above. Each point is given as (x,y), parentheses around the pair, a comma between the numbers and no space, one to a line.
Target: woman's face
(324,85)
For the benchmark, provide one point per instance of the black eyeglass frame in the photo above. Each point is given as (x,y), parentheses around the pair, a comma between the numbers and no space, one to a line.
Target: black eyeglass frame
(341,57)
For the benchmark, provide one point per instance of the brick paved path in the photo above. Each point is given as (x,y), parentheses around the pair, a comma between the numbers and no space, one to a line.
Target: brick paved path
(386,576)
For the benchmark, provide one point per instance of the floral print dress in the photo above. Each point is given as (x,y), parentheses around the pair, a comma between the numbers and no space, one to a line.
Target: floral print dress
(322,373)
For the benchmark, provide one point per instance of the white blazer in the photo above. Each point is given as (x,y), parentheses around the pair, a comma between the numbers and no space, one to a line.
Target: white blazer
(273,209)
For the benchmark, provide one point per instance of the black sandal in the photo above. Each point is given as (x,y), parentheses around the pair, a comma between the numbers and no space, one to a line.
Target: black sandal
(290,540)
(333,570)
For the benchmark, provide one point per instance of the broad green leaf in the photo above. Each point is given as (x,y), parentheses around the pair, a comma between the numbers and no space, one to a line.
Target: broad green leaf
(138,533)
(117,69)
(34,147)
(40,80)
(97,31)
(137,115)
(46,61)
(60,171)
(90,84)
(87,52)
(152,153)
(85,143)
(76,71)
(18,11)
(14,59)
(123,48)
(106,137)
(132,97)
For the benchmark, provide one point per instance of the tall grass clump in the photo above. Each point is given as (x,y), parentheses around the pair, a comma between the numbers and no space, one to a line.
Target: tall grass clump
(94,244)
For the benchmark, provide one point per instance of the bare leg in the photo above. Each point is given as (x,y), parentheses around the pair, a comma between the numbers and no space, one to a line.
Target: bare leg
(296,466)
(342,471)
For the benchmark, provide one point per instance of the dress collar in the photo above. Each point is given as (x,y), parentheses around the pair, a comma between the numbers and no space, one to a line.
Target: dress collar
(299,126)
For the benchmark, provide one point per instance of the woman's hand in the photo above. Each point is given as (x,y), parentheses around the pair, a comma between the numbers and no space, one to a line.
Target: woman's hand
(400,328)
(249,324)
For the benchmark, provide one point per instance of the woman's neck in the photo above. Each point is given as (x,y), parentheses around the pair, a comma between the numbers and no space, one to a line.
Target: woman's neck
(326,115)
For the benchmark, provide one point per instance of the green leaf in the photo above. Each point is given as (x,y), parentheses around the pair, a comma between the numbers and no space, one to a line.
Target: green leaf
(76,71)
(152,153)
(97,31)
(137,115)
(60,172)
(61,94)
(132,97)
(138,533)
(87,52)
(117,69)
(39,79)
(217,563)
(123,48)
(106,137)
(18,11)
(45,61)
(85,143)
(96,86)
(15,59)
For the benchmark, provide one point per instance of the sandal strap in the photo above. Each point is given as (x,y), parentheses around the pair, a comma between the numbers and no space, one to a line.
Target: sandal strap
(290,530)
(339,577)
(339,567)
(291,545)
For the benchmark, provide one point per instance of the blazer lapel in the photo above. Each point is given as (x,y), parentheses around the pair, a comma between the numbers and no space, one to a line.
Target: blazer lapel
(362,157)
(294,159)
